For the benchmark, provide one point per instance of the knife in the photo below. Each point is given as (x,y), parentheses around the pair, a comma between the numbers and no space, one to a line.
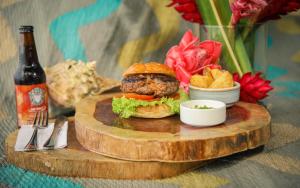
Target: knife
(59,122)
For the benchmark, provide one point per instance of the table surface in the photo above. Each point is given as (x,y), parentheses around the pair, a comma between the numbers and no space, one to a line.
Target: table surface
(275,165)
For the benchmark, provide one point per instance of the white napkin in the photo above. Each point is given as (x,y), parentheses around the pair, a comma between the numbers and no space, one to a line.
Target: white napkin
(43,135)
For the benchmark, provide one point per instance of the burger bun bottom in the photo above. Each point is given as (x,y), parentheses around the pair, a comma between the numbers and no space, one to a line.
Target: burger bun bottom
(157,111)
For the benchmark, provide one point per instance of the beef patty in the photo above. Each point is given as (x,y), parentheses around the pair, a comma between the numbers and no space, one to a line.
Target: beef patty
(158,85)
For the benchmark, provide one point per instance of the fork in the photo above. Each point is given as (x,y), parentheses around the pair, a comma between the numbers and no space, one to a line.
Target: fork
(40,121)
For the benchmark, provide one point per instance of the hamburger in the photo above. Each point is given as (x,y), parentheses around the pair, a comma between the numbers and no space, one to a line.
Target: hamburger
(149,90)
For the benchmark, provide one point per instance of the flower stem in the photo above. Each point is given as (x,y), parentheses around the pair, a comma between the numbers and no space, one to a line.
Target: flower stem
(242,55)
(210,15)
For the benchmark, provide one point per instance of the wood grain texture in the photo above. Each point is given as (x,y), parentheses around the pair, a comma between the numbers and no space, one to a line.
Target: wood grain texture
(247,126)
(75,161)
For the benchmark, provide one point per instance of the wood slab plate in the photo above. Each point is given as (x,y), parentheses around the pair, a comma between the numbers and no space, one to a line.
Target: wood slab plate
(99,130)
(75,161)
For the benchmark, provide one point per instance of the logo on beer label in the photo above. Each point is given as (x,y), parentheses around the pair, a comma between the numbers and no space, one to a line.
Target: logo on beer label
(36,96)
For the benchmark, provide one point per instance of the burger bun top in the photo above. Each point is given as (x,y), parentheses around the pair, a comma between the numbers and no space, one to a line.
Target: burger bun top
(149,68)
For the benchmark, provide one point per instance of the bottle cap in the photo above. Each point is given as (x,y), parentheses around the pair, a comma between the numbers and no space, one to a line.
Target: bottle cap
(26,28)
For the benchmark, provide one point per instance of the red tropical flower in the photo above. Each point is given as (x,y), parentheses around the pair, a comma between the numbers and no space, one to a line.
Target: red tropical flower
(188,10)
(246,8)
(253,87)
(275,8)
(191,56)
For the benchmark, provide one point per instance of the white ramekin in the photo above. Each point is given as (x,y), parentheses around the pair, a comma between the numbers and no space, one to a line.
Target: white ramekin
(227,95)
(203,117)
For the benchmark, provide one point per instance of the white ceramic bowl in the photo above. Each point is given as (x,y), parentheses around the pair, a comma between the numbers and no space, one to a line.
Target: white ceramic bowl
(202,117)
(227,95)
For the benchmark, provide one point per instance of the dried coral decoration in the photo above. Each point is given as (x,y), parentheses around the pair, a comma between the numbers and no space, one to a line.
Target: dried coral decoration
(70,81)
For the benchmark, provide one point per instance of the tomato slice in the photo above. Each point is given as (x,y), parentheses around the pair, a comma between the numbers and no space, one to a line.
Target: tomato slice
(137,96)
(175,96)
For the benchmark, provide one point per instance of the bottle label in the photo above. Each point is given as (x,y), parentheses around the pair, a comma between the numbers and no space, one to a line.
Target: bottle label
(30,99)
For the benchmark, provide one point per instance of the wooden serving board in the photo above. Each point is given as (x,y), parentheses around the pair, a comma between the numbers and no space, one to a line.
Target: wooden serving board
(76,161)
(99,130)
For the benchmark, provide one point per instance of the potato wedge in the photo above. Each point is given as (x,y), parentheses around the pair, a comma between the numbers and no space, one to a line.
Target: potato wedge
(223,80)
(201,81)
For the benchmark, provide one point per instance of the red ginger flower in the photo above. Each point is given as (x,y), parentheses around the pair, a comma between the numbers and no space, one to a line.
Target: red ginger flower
(275,8)
(188,10)
(191,56)
(253,87)
(246,8)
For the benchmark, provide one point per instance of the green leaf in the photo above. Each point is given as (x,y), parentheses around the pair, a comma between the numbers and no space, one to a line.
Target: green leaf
(224,11)
(127,107)
(206,11)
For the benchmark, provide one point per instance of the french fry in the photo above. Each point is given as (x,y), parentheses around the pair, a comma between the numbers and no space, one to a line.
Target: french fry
(201,81)
(224,80)
(207,72)
(216,73)
(213,78)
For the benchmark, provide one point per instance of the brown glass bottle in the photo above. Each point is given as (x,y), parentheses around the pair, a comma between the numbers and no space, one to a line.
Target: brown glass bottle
(30,80)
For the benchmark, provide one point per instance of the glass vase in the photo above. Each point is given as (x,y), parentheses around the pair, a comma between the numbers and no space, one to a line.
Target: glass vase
(243,47)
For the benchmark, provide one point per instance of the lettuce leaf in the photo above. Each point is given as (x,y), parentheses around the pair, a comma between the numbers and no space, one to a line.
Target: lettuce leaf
(126,107)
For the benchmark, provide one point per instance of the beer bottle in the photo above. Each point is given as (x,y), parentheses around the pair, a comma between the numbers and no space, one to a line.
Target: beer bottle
(30,80)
